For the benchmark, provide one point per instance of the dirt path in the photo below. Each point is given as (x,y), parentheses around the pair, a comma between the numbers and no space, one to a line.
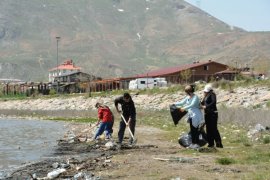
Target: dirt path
(138,162)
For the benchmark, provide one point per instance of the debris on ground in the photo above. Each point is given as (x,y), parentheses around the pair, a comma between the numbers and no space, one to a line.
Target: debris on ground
(255,133)
(177,159)
(74,158)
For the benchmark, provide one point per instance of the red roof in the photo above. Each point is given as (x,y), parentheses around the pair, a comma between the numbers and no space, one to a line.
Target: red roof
(175,69)
(68,64)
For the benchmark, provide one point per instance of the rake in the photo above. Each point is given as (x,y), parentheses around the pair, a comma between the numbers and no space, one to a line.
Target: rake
(130,132)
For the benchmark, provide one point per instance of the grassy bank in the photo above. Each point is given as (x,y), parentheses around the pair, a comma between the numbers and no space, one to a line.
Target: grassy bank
(240,152)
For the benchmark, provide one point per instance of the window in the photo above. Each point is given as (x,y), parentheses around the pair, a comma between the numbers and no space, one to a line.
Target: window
(206,68)
(142,82)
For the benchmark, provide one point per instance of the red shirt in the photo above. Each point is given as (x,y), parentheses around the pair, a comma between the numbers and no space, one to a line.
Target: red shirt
(105,114)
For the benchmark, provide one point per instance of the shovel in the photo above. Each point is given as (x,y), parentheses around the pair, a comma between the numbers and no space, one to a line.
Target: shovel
(130,132)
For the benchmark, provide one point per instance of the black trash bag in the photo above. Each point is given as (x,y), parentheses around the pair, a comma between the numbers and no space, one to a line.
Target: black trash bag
(202,138)
(185,140)
(176,114)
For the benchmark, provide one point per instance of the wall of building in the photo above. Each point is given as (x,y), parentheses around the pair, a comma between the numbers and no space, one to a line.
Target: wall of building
(204,73)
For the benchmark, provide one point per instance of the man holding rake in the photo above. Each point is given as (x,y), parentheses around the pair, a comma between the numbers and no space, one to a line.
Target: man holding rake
(128,117)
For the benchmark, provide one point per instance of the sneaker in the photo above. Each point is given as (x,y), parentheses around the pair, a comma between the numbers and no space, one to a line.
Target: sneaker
(108,137)
(193,146)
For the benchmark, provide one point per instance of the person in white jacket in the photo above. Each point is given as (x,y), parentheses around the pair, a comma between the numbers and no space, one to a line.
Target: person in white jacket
(191,104)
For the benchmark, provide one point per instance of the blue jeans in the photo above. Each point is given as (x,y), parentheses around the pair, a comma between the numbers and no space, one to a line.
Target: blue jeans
(104,126)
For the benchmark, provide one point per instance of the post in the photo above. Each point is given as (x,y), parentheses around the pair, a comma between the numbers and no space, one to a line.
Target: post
(147,81)
(89,83)
(57,73)
(193,72)
(235,70)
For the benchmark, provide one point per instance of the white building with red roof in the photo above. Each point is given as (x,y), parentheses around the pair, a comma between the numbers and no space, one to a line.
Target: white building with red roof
(64,69)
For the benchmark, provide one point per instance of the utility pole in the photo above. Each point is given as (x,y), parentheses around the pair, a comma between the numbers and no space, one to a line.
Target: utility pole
(57,73)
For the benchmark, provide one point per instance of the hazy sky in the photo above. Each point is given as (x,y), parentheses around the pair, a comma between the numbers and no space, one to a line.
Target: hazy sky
(251,15)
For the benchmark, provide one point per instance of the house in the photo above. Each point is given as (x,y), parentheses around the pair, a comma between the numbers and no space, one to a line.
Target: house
(73,82)
(64,69)
(187,73)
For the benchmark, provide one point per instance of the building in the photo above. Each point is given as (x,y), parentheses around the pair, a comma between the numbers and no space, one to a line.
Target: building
(188,73)
(64,69)
(73,82)
(227,74)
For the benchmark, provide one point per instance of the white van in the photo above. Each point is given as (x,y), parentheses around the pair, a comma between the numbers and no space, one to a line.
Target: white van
(143,83)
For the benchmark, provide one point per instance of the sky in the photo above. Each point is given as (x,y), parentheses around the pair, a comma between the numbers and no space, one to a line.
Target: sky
(250,15)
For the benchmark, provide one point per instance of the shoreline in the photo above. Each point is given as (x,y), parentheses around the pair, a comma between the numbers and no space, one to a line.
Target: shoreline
(155,140)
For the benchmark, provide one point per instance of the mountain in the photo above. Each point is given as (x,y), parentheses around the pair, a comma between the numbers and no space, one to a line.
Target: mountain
(113,38)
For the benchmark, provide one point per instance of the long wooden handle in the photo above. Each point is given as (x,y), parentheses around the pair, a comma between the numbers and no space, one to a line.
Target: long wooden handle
(128,126)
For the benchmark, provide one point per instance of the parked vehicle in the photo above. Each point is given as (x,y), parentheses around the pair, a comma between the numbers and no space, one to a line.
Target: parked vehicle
(143,83)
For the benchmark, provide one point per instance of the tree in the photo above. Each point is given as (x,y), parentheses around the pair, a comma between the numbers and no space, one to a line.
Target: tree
(186,75)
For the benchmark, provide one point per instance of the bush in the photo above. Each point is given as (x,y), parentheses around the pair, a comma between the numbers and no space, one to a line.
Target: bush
(52,92)
(224,84)
(268,104)
(266,139)
(225,161)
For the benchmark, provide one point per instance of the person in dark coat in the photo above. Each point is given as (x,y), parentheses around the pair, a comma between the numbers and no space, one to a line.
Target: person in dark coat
(211,117)
(129,112)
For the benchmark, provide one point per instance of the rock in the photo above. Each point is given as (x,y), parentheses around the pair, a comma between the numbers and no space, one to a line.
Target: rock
(109,145)
(252,133)
(55,165)
(55,173)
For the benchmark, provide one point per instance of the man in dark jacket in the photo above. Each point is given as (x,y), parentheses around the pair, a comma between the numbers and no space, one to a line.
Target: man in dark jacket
(129,113)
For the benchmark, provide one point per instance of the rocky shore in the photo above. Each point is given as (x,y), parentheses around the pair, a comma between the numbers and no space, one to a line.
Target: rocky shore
(251,97)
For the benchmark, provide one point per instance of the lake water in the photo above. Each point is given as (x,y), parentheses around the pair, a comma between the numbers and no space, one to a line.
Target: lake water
(24,141)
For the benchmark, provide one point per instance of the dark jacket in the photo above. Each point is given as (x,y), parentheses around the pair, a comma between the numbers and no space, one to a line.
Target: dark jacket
(210,102)
(128,108)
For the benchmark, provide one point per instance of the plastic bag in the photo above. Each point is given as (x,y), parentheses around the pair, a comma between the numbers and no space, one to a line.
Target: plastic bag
(185,140)
(176,114)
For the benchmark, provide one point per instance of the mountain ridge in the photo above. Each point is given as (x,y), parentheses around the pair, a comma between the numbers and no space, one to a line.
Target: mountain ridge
(118,38)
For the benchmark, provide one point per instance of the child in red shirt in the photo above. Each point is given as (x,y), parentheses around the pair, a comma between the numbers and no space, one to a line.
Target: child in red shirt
(105,121)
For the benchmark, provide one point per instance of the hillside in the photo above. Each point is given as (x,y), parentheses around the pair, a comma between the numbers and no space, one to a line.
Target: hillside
(118,38)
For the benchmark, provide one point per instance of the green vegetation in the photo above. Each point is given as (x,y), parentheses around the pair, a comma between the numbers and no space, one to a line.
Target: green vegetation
(266,139)
(268,104)
(241,82)
(238,148)
(225,161)
(77,119)
(13,97)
